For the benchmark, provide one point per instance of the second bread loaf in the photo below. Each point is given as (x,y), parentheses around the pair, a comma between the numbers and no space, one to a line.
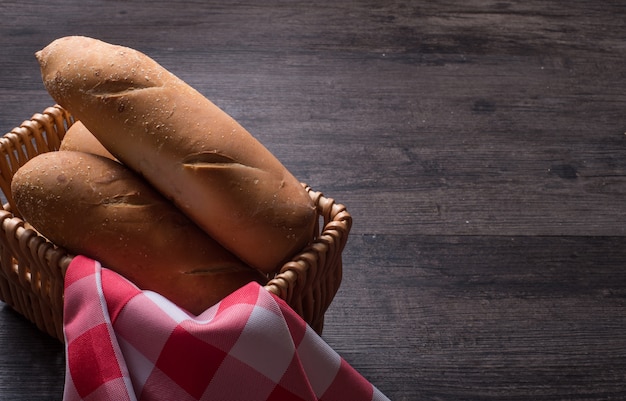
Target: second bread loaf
(94,206)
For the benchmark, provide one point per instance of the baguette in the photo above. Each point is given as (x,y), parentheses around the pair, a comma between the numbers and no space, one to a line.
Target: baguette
(191,151)
(93,206)
(78,138)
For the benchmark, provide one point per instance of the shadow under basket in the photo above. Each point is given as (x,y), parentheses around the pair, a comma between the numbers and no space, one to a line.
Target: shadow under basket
(32,269)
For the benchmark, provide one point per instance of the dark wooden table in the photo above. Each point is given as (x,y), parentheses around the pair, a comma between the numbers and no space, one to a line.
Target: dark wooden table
(480,147)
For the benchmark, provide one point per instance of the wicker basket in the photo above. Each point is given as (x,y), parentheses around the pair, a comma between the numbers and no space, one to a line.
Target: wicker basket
(32,269)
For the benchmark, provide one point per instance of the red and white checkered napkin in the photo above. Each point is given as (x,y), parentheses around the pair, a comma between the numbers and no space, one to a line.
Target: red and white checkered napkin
(126,344)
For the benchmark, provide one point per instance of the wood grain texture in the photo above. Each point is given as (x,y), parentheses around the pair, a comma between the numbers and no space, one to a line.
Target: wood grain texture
(479,145)
(479,318)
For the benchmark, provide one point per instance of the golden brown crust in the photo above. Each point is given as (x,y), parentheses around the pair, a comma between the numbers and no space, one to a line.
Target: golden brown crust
(96,207)
(185,146)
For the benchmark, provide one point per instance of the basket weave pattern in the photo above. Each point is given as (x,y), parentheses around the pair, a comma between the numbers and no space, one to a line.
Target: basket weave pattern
(32,269)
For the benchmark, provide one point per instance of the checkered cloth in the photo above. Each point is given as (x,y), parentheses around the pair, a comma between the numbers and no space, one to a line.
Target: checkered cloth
(126,344)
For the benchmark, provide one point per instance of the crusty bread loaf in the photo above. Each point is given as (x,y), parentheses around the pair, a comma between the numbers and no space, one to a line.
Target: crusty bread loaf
(79,138)
(185,146)
(96,207)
